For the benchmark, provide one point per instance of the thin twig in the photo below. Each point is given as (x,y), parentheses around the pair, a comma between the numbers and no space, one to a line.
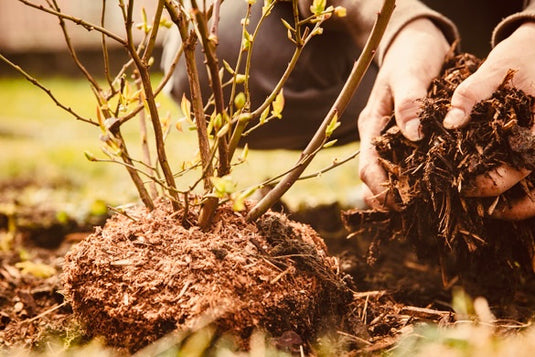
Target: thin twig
(44,313)
(209,46)
(72,51)
(331,166)
(131,166)
(154,31)
(105,48)
(238,60)
(158,89)
(35,82)
(143,68)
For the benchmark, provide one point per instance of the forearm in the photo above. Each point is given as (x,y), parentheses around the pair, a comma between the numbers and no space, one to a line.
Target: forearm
(361,15)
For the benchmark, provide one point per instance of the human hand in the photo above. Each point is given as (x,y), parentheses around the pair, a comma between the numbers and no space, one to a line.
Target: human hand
(518,53)
(413,59)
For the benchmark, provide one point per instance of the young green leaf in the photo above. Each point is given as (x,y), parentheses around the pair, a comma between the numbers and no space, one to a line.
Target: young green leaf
(166,23)
(239,100)
(240,78)
(89,156)
(329,143)
(218,121)
(266,9)
(332,125)
(223,186)
(264,115)
(244,153)
(246,45)
(228,68)
(278,105)
(238,201)
(340,11)
(318,6)
(223,130)
(287,25)
(185,107)
(39,270)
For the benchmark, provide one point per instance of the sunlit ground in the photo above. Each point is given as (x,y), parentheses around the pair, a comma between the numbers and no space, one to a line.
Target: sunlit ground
(41,141)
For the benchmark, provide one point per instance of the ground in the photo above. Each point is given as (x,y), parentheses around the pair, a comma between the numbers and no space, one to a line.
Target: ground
(391,298)
(395,296)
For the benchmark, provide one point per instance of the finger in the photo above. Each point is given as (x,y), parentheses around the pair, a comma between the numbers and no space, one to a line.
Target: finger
(475,88)
(495,182)
(368,197)
(375,194)
(408,90)
(371,122)
(520,209)
(407,105)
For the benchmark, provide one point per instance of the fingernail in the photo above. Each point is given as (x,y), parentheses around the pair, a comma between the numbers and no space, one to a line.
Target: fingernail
(412,130)
(454,118)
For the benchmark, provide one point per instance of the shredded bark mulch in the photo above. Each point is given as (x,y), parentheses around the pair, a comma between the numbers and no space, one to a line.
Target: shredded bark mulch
(144,275)
(426,179)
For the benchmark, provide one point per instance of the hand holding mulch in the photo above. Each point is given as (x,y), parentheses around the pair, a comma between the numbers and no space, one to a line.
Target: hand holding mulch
(431,179)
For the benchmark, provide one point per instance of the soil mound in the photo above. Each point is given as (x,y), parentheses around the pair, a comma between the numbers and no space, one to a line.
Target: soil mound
(426,179)
(143,275)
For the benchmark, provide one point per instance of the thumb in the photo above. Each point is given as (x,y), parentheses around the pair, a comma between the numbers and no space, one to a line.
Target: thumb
(477,87)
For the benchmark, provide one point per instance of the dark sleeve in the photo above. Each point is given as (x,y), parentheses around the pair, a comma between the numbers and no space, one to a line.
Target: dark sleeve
(410,10)
(508,25)
(361,16)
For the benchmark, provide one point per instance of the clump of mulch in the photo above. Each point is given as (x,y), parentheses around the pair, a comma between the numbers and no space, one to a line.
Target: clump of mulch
(144,275)
(426,179)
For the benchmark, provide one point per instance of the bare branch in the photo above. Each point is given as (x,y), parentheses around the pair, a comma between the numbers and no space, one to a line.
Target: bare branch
(144,143)
(105,49)
(73,54)
(154,31)
(158,89)
(35,82)
(209,46)
(335,164)
(143,69)
(189,41)
(215,21)
(134,172)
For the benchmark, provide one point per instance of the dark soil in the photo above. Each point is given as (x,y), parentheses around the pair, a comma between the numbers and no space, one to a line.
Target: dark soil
(426,180)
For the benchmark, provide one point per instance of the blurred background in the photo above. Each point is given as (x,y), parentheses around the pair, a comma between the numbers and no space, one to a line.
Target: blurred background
(44,146)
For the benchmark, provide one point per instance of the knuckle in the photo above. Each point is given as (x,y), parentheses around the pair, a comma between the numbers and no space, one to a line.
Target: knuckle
(466,92)
(407,108)
(369,173)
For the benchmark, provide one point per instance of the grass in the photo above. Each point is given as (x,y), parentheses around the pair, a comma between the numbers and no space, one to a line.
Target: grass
(42,141)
